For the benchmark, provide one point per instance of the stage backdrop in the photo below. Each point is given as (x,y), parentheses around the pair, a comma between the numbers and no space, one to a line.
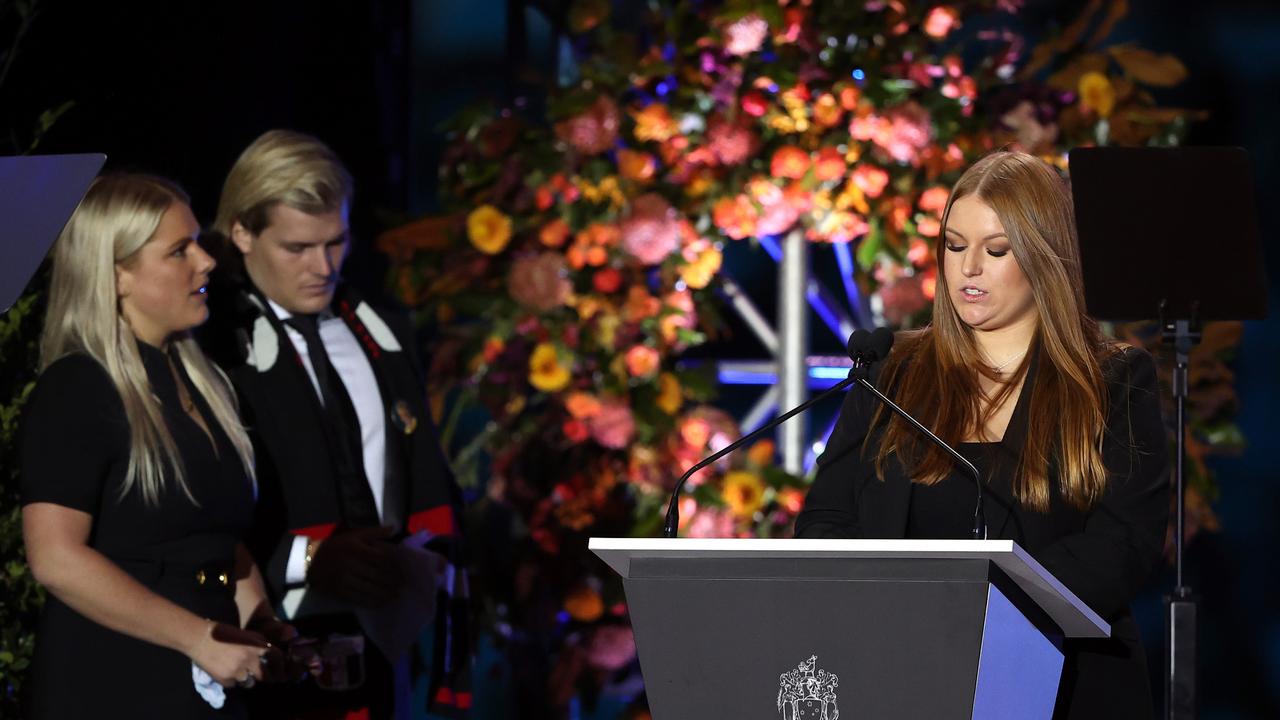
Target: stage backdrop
(577,262)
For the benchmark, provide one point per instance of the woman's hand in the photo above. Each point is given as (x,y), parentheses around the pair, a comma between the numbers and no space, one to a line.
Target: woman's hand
(230,655)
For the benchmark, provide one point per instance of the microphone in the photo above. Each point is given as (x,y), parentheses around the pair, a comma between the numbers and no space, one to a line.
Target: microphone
(863,353)
(876,345)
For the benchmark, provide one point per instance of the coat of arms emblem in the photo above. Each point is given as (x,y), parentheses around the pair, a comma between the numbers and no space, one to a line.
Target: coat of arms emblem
(807,693)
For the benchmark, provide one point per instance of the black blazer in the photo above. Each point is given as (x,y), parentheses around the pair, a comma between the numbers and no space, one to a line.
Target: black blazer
(1105,556)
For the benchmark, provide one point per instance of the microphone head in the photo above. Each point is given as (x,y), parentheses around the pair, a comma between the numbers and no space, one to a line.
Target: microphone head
(859,341)
(881,342)
(870,346)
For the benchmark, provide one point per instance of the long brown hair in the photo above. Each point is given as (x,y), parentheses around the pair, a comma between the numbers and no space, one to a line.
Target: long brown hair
(934,376)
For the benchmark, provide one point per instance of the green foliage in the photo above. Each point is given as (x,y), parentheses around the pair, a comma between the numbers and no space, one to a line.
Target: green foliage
(20,596)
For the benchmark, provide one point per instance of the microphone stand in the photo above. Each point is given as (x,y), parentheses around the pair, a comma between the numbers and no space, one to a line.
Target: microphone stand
(672,523)
(979,514)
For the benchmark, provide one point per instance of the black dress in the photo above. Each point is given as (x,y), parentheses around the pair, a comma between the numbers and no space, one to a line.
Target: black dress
(75,452)
(1105,556)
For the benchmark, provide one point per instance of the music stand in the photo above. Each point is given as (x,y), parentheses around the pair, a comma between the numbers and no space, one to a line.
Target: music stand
(38,193)
(1183,218)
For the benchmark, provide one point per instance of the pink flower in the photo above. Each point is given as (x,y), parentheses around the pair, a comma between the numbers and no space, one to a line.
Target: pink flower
(730,144)
(777,213)
(613,426)
(745,35)
(909,131)
(593,131)
(941,21)
(539,281)
(652,232)
(710,523)
(1033,137)
(611,648)
(902,299)
(871,180)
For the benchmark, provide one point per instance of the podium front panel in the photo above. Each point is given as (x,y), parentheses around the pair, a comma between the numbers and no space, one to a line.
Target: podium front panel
(786,641)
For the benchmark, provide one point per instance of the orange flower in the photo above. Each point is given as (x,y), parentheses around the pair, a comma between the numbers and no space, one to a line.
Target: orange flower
(934,200)
(654,122)
(830,164)
(638,166)
(640,304)
(849,96)
(597,256)
(554,233)
(827,110)
(735,216)
(493,347)
(941,21)
(1097,93)
(488,229)
(761,453)
(581,405)
(642,361)
(584,604)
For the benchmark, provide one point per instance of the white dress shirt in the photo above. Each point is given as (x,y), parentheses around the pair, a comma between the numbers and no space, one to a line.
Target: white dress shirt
(352,366)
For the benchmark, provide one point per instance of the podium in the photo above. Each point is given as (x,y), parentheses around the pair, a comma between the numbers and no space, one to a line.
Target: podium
(812,629)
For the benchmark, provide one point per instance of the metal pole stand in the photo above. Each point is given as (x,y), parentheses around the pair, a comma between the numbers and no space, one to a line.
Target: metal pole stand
(1180,637)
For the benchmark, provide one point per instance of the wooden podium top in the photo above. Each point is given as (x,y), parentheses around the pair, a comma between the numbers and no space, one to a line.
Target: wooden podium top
(1071,614)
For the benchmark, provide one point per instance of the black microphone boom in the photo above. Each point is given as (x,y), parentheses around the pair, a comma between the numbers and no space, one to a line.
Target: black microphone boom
(864,348)
(859,346)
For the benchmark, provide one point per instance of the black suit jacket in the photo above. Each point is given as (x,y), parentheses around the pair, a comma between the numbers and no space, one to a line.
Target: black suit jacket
(1105,556)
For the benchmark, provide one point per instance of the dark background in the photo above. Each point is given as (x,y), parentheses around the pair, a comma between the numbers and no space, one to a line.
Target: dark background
(180,88)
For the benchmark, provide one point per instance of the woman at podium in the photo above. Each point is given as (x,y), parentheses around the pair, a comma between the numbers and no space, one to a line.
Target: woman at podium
(1063,423)
(137,477)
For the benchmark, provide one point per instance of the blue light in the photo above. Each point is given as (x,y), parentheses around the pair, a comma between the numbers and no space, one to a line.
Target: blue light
(828,373)
(820,377)
(662,89)
(859,75)
(771,246)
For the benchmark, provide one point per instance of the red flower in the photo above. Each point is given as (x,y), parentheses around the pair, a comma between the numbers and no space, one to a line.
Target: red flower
(830,164)
(575,431)
(789,162)
(754,103)
(606,280)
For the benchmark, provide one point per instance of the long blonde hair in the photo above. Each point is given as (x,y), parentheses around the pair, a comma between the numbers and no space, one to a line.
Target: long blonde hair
(120,214)
(934,375)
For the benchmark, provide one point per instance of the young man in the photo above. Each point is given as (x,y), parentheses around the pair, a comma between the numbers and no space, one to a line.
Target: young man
(357,525)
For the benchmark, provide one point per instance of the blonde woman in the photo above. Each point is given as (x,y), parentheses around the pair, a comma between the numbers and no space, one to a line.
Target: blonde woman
(137,476)
(1064,425)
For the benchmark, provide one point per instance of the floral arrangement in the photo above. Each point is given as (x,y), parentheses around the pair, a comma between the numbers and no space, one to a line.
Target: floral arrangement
(579,253)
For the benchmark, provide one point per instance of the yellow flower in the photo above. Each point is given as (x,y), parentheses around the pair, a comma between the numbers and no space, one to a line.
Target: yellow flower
(698,273)
(670,397)
(1097,93)
(654,123)
(743,492)
(488,229)
(545,371)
